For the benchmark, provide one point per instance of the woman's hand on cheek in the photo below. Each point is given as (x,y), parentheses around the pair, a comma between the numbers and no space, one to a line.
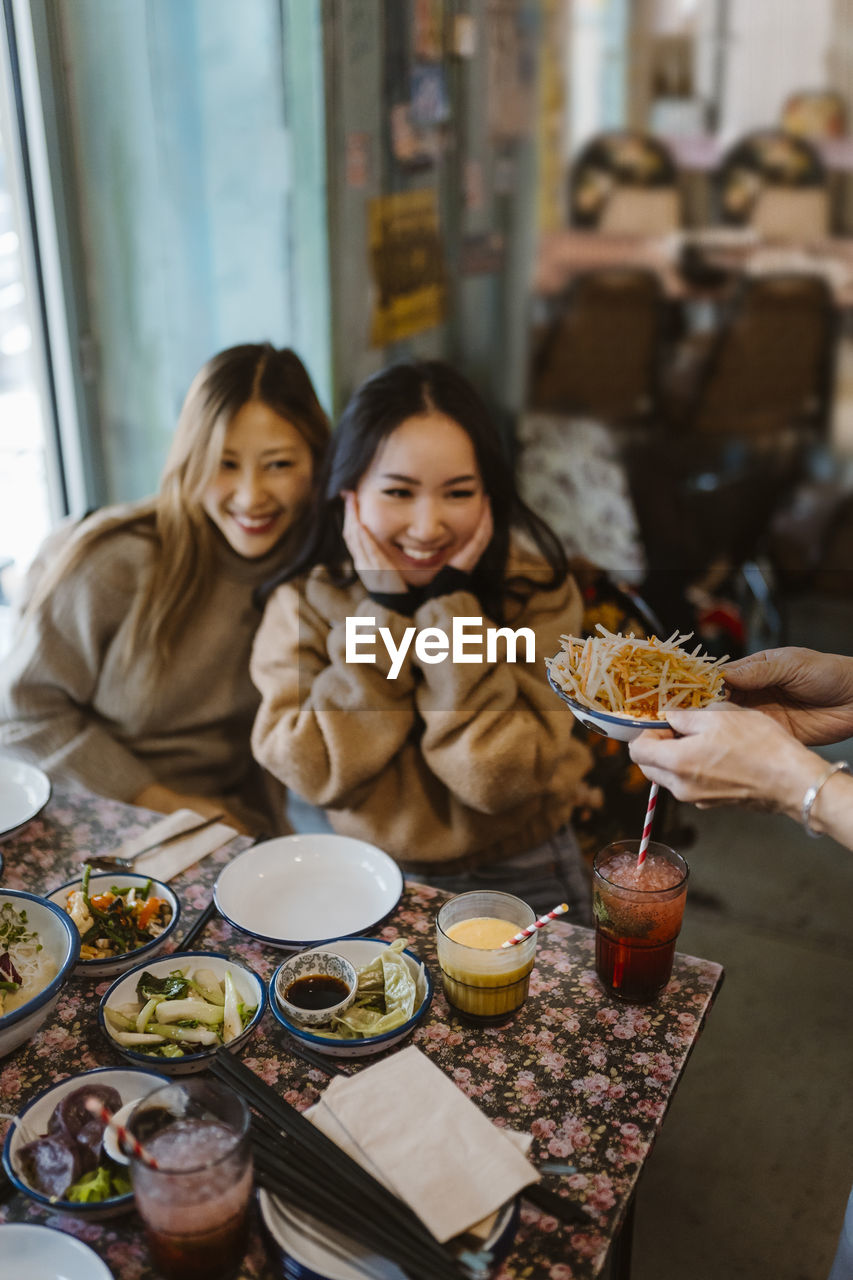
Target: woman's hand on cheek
(468,556)
(369,560)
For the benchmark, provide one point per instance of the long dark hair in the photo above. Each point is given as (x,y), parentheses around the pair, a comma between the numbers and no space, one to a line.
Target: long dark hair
(378,407)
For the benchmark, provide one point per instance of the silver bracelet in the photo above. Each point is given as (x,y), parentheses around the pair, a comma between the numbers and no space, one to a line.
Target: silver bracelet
(840,766)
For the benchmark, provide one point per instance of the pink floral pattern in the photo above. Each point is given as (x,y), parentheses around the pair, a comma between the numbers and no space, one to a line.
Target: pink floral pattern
(589,1078)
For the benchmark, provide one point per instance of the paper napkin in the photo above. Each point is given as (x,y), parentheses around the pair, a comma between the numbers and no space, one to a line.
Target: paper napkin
(164,864)
(414,1130)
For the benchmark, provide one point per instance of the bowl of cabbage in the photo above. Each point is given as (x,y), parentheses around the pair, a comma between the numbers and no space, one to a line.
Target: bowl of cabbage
(173,1014)
(393,994)
(39,947)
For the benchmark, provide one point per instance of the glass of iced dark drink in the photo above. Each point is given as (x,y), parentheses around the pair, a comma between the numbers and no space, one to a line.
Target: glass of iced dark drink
(637,914)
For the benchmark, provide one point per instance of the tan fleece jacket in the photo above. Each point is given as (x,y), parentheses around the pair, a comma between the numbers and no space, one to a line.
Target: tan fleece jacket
(68,703)
(448,765)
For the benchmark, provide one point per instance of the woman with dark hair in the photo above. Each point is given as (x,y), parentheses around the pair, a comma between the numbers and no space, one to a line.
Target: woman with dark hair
(464,771)
(130,670)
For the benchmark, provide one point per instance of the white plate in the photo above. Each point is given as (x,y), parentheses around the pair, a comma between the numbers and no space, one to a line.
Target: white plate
(622,728)
(24,791)
(308,1251)
(359,952)
(299,891)
(130,1084)
(45,1253)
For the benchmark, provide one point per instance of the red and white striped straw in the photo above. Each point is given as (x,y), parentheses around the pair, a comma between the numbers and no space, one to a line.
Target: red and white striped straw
(537,924)
(126,1139)
(647,826)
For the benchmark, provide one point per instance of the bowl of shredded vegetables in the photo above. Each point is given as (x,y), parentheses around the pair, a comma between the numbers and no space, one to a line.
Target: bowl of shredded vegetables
(121,919)
(39,946)
(619,685)
(55,1151)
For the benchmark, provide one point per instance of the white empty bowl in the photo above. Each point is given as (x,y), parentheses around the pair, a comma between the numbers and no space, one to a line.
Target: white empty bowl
(303,890)
(24,791)
(46,1253)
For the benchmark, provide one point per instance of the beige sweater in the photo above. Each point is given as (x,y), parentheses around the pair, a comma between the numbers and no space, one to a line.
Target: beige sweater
(447,765)
(67,703)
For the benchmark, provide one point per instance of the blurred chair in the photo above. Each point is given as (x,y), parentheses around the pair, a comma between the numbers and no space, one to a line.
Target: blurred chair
(625,183)
(598,354)
(770,367)
(775,182)
(742,439)
(815,113)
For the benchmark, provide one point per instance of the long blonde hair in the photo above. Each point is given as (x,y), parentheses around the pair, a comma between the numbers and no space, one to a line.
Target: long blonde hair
(181,572)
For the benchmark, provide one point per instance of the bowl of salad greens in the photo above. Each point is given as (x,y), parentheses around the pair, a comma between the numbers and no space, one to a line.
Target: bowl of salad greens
(121,918)
(174,1013)
(394,992)
(55,1151)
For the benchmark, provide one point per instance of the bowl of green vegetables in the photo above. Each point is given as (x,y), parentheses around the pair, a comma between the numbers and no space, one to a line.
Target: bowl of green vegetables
(122,918)
(175,1013)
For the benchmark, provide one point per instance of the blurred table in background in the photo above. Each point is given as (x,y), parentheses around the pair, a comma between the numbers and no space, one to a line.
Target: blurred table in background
(590,1078)
(564,254)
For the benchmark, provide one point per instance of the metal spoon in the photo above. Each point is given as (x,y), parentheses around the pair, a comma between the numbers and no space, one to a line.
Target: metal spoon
(109,862)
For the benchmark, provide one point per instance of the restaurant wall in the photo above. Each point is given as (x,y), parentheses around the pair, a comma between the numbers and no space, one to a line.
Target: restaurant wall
(773,48)
(433,176)
(841,53)
(269,172)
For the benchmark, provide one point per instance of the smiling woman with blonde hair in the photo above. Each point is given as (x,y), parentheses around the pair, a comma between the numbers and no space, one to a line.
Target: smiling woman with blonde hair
(129,672)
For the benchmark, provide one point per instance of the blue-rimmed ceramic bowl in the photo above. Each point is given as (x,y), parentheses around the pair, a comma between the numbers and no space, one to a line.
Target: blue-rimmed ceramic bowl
(302,1249)
(24,791)
(100,882)
(609,725)
(130,1083)
(44,1253)
(123,992)
(60,942)
(359,952)
(299,891)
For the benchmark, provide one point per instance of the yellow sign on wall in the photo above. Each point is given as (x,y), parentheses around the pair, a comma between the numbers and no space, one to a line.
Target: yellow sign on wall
(407,262)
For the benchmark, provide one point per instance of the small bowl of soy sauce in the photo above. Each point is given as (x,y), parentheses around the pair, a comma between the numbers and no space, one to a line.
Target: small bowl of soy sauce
(315,986)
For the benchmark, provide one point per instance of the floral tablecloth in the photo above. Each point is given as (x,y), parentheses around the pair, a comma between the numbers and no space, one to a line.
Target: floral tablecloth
(589,1077)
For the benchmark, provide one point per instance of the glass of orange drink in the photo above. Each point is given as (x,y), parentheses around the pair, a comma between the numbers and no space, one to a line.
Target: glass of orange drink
(484,981)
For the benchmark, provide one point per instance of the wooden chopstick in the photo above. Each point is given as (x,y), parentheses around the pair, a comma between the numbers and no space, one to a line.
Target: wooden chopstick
(194,930)
(314,1059)
(568,1211)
